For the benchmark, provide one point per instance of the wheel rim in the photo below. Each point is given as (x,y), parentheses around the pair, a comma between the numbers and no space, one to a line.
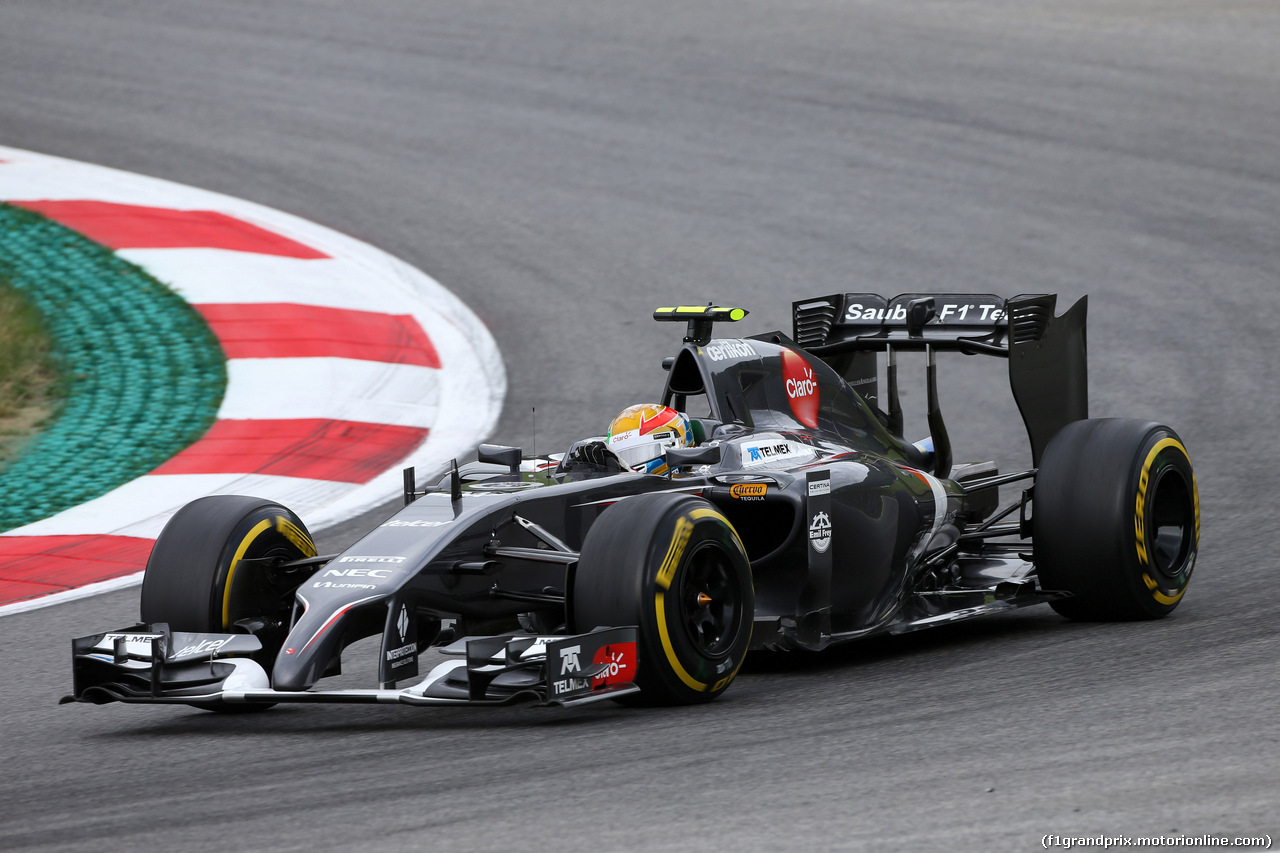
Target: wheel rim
(1172,524)
(710,601)
(257,594)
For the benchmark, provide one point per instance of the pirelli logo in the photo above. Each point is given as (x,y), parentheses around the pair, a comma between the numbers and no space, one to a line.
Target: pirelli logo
(684,527)
(300,540)
(749,491)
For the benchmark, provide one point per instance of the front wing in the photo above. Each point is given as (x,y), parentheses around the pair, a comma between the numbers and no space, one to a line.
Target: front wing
(151,664)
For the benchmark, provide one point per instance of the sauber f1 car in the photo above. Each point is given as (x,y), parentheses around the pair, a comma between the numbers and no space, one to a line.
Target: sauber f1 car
(796,516)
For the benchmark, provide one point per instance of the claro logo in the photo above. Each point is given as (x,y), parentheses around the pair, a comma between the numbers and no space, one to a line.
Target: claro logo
(802,388)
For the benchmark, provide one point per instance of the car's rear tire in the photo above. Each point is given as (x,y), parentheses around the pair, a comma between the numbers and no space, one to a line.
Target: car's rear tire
(1116,519)
(204,574)
(674,566)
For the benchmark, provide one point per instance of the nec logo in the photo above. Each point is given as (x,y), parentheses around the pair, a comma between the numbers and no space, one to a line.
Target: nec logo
(802,388)
(357,573)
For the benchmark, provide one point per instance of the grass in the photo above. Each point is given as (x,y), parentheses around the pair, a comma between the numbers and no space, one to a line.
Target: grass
(30,387)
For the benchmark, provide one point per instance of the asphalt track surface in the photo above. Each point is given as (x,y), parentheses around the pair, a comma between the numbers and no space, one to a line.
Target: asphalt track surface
(564,167)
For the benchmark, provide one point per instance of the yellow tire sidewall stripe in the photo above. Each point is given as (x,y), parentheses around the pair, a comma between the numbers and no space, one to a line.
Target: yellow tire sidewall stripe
(257,530)
(660,602)
(666,573)
(1150,583)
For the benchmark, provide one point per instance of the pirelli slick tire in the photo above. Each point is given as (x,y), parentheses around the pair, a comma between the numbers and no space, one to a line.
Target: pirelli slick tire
(1116,519)
(674,566)
(206,572)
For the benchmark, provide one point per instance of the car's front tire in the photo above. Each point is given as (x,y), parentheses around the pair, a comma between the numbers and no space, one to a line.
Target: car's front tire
(206,572)
(674,566)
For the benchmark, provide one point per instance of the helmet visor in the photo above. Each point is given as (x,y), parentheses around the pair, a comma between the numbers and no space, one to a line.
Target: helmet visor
(636,455)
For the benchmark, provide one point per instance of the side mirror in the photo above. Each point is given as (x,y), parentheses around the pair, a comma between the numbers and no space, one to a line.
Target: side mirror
(498,454)
(682,457)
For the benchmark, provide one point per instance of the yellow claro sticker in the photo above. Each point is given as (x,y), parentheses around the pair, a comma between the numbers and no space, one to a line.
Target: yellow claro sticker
(749,491)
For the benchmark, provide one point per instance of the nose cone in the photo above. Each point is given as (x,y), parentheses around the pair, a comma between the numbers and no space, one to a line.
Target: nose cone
(313,643)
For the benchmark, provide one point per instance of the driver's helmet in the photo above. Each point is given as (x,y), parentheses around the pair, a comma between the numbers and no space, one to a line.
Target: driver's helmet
(641,434)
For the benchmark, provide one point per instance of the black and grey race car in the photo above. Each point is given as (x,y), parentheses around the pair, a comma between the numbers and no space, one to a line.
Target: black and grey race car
(799,518)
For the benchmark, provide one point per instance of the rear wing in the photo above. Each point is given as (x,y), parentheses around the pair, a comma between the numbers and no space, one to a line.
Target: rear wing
(1048,364)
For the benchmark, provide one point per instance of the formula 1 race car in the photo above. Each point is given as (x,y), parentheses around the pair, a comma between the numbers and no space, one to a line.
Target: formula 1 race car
(795,516)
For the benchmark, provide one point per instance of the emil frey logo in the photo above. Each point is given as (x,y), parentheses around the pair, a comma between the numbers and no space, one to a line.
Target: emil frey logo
(820,532)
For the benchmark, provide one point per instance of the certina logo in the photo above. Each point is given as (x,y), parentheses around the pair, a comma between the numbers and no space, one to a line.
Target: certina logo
(820,532)
(417,522)
(569,659)
(819,487)
(801,387)
(730,348)
(371,559)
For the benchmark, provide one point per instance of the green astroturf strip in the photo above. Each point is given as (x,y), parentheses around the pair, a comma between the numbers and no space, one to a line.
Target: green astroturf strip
(144,374)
